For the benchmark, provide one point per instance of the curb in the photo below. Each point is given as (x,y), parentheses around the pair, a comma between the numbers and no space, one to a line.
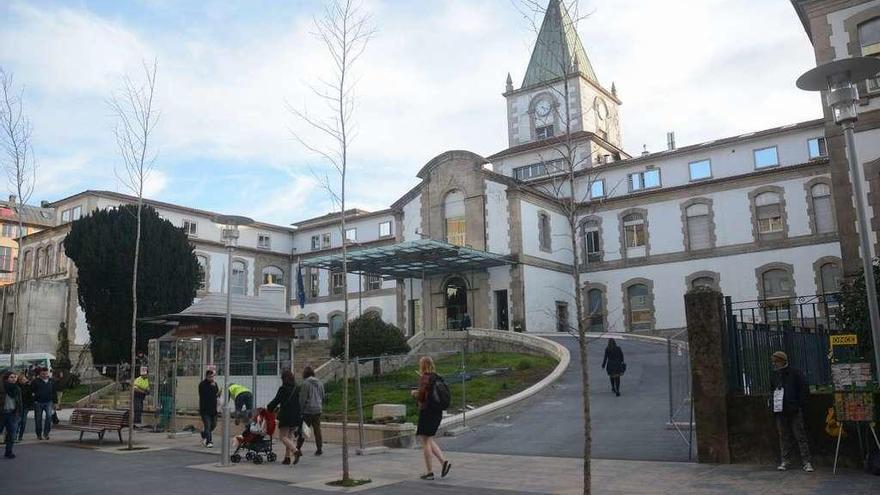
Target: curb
(619,336)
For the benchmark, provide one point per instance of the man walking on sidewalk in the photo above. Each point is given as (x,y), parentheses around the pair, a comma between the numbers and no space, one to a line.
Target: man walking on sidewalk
(45,397)
(789,400)
(311,400)
(208,394)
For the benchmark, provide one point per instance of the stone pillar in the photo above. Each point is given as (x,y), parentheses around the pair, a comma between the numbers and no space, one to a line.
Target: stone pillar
(705,325)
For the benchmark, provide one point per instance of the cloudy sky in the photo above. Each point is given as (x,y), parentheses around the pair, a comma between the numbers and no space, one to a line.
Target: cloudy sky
(431,80)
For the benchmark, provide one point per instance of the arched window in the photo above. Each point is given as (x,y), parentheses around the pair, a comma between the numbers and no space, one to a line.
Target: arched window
(38,262)
(335,324)
(544,239)
(50,259)
(707,282)
(823,217)
(454,216)
(596,310)
(203,272)
(28,267)
(238,285)
(61,259)
(768,210)
(829,274)
(592,252)
(698,231)
(273,275)
(869,39)
(641,312)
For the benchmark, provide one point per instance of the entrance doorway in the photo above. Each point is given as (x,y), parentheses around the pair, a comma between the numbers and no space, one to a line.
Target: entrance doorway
(561,316)
(501,309)
(456,301)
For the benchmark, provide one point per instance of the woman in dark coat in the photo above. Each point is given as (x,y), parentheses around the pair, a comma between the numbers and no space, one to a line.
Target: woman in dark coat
(290,417)
(613,365)
(429,419)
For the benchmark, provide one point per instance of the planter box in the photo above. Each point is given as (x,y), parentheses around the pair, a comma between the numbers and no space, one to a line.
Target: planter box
(393,435)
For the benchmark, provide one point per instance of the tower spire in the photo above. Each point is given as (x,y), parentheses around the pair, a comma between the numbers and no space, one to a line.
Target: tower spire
(558,50)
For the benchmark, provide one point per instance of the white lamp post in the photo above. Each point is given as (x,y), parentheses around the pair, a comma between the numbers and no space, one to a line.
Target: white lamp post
(229,225)
(839,78)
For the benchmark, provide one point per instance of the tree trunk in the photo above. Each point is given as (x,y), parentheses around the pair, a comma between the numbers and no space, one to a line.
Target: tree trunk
(134,313)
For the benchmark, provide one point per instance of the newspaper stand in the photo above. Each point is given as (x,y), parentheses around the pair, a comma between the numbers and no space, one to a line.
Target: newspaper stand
(853,388)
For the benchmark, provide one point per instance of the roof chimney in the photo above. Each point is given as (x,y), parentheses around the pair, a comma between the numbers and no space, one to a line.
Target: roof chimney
(670,140)
(12,199)
(645,150)
(509,86)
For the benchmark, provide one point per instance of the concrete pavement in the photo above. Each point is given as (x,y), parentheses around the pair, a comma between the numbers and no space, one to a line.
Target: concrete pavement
(631,427)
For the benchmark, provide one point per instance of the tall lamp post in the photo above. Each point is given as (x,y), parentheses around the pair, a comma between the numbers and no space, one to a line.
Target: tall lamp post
(229,225)
(839,79)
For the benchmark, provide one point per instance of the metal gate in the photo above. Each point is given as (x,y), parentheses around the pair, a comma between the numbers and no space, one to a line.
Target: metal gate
(681,411)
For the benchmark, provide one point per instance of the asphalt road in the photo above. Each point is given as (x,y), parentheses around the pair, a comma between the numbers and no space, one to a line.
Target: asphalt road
(631,427)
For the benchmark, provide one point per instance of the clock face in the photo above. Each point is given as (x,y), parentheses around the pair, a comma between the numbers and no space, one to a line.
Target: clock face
(543,107)
(601,109)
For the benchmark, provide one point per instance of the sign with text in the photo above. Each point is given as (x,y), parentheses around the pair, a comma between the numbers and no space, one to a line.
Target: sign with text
(847,339)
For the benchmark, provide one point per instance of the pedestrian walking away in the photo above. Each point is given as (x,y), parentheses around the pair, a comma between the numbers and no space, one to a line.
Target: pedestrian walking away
(141,386)
(166,402)
(244,401)
(45,397)
(290,417)
(11,410)
(432,397)
(209,392)
(27,400)
(789,400)
(311,401)
(614,365)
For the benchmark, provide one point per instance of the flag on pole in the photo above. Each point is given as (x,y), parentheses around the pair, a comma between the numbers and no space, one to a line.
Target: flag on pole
(300,287)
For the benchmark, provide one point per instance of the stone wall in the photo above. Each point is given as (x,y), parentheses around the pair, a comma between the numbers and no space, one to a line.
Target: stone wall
(312,353)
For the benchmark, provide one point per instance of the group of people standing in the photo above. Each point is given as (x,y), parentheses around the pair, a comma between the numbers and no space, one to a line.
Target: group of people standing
(296,404)
(20,394)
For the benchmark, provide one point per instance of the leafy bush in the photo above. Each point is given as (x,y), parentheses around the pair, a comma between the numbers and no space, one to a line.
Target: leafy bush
(370,336)
(852,316)
(523,364)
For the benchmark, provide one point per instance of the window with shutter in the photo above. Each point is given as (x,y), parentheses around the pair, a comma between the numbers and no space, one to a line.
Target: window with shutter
(823,217)
(769,213)
(698,227)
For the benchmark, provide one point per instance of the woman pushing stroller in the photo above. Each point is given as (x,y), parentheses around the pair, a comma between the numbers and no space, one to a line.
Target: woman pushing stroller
(256,439)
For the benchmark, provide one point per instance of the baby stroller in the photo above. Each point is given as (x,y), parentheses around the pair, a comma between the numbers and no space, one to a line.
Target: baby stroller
(256,439)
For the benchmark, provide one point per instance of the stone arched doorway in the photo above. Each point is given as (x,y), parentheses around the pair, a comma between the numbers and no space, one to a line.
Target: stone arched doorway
(455,291)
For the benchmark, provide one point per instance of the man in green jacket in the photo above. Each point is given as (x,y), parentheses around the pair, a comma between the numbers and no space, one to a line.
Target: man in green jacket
(244,401)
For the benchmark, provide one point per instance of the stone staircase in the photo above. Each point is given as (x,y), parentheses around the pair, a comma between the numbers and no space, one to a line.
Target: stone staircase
(312,353)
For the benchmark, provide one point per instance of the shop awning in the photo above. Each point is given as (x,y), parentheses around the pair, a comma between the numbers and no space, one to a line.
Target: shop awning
(413,259)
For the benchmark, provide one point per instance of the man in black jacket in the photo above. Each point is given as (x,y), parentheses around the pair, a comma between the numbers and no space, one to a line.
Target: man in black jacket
(45,397)
(788,403)
(208,393)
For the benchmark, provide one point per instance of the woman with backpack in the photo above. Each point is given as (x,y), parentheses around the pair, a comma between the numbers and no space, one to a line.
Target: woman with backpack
(430,415)
(614,365)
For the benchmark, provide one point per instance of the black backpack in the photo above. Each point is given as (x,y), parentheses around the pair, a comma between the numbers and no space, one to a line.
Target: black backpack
(440,396)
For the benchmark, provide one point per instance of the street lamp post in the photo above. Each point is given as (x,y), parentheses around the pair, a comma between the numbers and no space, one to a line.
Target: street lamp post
(229,225)
(839,79)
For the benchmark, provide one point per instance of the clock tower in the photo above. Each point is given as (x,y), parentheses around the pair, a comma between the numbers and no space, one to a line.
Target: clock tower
(560,70)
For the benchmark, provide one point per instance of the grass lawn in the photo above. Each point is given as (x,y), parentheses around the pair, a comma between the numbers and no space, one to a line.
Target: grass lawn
(394,388)
(71,395)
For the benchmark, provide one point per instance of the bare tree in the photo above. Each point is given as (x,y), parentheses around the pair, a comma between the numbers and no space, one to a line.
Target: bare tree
(136,119)
(345,30)
(21,173)
(569,161)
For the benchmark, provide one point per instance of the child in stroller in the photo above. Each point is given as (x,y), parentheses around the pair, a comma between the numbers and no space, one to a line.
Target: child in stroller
(256,439)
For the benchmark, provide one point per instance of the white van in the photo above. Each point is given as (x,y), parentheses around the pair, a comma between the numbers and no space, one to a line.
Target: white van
(26,359)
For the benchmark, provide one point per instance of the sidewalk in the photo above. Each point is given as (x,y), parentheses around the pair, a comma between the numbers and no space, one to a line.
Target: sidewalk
(473,473)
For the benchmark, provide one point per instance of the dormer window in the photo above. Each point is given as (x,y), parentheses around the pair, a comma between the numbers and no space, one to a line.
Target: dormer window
(190,227)
(644,180)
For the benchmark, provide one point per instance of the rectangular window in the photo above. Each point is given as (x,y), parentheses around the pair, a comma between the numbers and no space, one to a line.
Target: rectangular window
(374,282)
(314,281)
(351,235)
(190,227)
(455,231)
(701,169)
(698,232)
(561,316)
(530,171)
(6,259)
(10,230)
(325,241)
(769,219)
(635,234)
(869,39)
(544,132)
(644,180)
(65,216)
(597,189)
(336,282)
(766,157)
(71,214)
(316,243)
(591,237)
(817,147)
(384,229)
(264,241)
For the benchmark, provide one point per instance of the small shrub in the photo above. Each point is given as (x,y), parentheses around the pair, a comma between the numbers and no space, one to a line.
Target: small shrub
(523,364)
(370,336)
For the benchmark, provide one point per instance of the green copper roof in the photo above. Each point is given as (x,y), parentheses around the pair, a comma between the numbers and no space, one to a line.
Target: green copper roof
(558,49)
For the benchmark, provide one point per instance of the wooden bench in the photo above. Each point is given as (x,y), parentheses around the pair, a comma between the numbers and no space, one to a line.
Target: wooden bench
(96,421)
